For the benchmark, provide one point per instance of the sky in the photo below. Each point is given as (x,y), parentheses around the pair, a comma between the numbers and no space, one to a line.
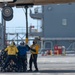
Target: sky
(19,19)
(18,23)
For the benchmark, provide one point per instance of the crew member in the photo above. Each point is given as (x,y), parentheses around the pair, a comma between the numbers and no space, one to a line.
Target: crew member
(33,57)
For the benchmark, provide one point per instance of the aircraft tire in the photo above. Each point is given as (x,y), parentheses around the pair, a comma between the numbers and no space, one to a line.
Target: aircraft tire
(7,13)
(8,18)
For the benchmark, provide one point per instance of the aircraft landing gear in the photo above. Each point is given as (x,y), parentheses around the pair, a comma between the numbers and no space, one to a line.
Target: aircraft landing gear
(7,13)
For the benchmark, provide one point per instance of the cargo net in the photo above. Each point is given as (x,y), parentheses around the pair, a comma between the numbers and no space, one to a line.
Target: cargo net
(11,65)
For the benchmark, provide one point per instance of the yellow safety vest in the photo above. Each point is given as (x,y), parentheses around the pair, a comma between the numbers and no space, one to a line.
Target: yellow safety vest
(36,47)
(11,50)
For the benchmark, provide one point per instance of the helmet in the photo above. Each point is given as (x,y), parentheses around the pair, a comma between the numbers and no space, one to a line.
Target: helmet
(35,41)
(12,44)
(22,43)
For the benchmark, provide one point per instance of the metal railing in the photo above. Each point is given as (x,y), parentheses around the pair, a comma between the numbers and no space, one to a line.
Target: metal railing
(15,30)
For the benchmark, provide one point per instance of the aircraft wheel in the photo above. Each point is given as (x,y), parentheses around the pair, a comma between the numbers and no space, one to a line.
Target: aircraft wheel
(8,18)
(7,13)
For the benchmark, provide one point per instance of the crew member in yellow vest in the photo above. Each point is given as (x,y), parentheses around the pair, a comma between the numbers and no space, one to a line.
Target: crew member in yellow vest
(34,53)
(11,54)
